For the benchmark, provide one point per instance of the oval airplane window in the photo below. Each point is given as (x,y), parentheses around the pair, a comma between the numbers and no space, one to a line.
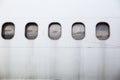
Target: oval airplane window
(8,30)
(102,31)
(31,30)
(54,31)
(78,31)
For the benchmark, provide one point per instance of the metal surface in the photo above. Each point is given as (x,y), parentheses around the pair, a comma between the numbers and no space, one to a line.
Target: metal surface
(66,58)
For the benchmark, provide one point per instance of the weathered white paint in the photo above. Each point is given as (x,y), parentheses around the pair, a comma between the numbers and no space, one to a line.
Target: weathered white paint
(66,58)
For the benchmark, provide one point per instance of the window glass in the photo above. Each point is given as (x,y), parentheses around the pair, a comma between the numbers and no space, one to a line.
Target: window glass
(78,31)
(102,31)
(54,31)
(31,30)
(8,30)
